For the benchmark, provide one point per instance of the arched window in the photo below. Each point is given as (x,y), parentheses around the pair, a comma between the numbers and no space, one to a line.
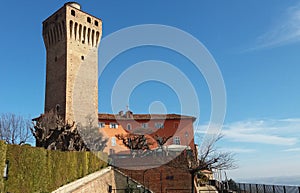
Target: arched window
(80,32)
(89,35)
(75,30)
(71,28)
(73,12)
(89,20)
(93,37)
(84,35)
(129,126)
(97,37)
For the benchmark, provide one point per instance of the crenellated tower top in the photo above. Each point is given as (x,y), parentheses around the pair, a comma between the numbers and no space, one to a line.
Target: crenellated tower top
(80,26)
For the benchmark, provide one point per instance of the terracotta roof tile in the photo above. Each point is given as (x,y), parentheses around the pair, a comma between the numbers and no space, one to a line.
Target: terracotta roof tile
(103,116)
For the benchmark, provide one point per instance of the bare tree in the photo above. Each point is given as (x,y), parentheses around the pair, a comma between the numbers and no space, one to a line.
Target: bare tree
(137,143)
(209,158)
(51,132)
(91,136)
(14,129)
(212,158)
(161,140)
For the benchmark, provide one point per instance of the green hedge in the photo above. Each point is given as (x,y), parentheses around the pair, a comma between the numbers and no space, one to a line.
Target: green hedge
(34,169)
(3,148)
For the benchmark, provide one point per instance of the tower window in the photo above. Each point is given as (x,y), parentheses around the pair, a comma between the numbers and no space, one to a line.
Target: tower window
(128,126)
(55,59)
(73,12)
(89,20)
(82,57)
(96,23)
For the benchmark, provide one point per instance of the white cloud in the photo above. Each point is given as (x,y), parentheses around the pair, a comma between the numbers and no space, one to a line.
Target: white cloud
(237,150)
(274,132)
(297,149)
(285,31)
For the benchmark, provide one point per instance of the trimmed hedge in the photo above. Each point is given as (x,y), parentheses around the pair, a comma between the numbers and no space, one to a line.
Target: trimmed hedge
(34,169)
(3,147)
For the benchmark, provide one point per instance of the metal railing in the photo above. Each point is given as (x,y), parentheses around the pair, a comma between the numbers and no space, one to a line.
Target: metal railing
(173,190)
(263,188)
(132,190)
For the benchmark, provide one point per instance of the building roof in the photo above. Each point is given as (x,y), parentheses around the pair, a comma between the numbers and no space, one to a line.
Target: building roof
(130,116)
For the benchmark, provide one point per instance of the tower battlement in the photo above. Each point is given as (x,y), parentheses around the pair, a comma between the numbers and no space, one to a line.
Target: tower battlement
(70,21)
(71,38)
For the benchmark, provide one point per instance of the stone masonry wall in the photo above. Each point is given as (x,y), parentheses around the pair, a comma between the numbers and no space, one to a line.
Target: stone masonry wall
(99,182)
(72,37)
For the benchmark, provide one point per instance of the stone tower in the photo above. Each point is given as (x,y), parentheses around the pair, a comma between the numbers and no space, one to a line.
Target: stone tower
(72,37)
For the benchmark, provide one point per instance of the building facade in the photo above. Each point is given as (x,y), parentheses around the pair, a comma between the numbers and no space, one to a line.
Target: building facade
(177,129)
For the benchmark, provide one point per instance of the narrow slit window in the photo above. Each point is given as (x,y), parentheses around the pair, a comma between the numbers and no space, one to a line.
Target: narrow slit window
(89,35)
(84,34)
(80,32)
(51,36)
(71,28)
(97,37)
(63,27)
(93,37)
(60,30)
(75,30)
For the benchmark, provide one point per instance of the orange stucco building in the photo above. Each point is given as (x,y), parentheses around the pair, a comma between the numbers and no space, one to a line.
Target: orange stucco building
(178,128)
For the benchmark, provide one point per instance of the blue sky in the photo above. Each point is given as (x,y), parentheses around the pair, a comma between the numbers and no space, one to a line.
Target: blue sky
(255,44)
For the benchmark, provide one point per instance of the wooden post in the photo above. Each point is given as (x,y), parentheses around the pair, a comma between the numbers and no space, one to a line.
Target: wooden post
(284,190)
(264,186)
(273,188)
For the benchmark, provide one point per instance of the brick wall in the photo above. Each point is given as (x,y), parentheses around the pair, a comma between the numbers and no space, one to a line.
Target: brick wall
(163,179)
